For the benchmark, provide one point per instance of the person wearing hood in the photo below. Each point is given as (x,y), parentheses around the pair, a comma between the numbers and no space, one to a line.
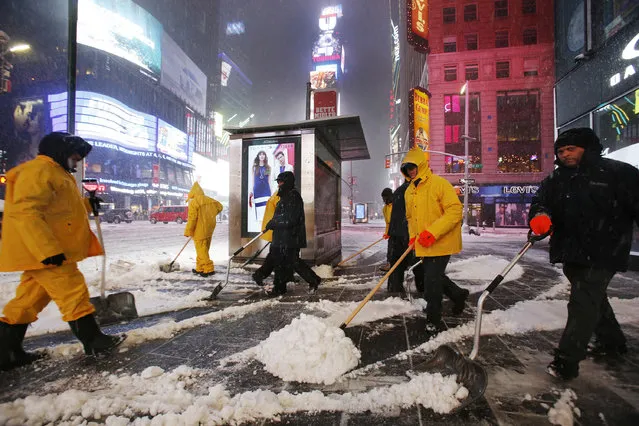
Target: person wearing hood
(588,204)
(201,223)
(46,233)
(434,215)
(289,232)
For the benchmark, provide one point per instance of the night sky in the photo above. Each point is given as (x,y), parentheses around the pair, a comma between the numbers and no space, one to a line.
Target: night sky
(280,37)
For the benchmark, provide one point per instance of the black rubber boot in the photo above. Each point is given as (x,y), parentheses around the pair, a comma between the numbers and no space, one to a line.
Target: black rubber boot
(95,342)
(12,355)
(460,302)
(563,368)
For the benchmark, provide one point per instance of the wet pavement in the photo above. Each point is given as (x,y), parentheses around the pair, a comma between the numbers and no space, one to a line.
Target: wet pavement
(519,392)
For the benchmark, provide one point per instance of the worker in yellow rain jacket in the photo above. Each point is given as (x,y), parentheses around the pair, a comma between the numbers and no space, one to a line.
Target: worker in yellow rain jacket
(268,266)
(387,198)
(46,232)
(434,215)
(203,213)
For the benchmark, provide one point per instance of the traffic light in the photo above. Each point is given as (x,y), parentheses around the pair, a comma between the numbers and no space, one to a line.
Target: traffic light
(3,179)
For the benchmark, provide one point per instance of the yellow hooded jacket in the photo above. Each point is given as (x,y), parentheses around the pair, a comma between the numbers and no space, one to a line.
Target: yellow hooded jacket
(203,213)
(269,212)
(432,206)
(44,215)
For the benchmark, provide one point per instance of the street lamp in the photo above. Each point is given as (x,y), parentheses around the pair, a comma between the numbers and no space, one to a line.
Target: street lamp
(465,90)
(19,48)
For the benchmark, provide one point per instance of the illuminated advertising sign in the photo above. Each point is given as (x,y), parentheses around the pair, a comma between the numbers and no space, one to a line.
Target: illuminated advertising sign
(225,73)
(103,118)
(419,118)
(121,28)
(181,76)
(263,160)
(327,48)
(235,28)
(325,104)
(418,24)
(172,141)
(323,79)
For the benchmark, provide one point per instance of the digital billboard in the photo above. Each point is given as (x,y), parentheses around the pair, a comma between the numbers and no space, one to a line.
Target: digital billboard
(121,28)
(182,76)
(172,141)
(102,118)
(325,104)
(323,79)
(263,160)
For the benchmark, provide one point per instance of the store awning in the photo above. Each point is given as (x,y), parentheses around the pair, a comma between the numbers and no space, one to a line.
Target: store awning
(344,134)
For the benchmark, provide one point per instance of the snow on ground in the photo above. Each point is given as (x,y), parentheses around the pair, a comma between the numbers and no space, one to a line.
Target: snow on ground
(374,310)
(480,270)
(308,350)
(324,271)
(156,397)
(562,412)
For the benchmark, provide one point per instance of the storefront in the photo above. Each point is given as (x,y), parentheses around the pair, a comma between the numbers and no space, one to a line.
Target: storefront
(499,206)
(610,105)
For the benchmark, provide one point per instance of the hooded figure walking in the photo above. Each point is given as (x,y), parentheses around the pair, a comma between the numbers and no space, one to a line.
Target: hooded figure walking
(589,203)
(289,232)
(202,220)
(45,234)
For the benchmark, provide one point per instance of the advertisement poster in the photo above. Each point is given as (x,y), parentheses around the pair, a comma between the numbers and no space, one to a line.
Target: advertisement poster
(325,104)
(263,161)
(172,141)
(121,28)
(181,76)
(419,117)
(418,24)
(323,79)
(511,214)
(29,125)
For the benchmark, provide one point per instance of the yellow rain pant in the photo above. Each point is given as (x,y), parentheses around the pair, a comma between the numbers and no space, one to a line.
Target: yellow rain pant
(203,262)
(64,285)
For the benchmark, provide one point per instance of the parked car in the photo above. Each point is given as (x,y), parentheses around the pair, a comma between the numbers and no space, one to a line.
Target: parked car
(117,216)
(178,214)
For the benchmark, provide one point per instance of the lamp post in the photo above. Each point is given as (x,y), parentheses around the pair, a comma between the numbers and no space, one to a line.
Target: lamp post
(465,137)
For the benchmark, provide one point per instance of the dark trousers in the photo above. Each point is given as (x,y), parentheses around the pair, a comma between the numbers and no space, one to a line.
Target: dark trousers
(588,312)
(281,254)
(436,285)
(396,247)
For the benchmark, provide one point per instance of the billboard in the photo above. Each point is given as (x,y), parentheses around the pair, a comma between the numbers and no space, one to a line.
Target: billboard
(262,161)
(102,118)
(511,214)
(235,28)
(29,124)
(323,79)
(419,118)
(417,28)
(325,104)
(172,141)
(181,76)
(121,28)
(327,48)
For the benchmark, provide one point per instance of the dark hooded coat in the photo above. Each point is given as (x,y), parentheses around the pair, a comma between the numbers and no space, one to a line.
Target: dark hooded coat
(288,223)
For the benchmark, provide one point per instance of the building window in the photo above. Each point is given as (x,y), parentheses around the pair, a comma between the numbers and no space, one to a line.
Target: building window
(518,131)
(529,7)
(450,44)
(502,69)
(449,15)
(471,41)
(470,12)
(472,71)
(531,67)
(501,8)
(530,36)
(450,72)
(501,39)
(454,110)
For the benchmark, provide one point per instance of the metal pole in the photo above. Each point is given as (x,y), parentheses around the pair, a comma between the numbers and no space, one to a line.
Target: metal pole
(72,57)
(466,162)
(308,100)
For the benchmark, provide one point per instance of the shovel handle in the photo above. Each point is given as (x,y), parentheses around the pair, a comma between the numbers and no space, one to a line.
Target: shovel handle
(103,271)
(359,252)
(241,249)
(180,252)
(379,284)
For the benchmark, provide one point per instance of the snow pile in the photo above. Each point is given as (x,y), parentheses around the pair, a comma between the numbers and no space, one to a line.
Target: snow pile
(372,311)
(324,271)
(157,398)
(308,350)
(561,412)
(481,269)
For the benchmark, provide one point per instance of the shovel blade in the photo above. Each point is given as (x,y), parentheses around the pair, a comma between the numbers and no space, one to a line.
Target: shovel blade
(447,361)
(114,308)
(215,292)
(170,267)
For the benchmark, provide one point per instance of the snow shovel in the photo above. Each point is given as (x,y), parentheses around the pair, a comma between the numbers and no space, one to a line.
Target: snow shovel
(379,284)
(170,267)
(221,286)
(358,253)
(448,360)
(114,307)
(255,255)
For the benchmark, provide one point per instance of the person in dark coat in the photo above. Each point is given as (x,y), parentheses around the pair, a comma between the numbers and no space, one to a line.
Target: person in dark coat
(398,243)
(589,203)
(289,233)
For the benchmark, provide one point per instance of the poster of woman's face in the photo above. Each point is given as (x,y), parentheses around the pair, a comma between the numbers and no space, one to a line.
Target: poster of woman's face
(264,163)
(28,121)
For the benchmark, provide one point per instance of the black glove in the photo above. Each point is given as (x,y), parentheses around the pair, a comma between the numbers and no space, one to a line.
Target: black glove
(95,203)
(54,260)
(269,225)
